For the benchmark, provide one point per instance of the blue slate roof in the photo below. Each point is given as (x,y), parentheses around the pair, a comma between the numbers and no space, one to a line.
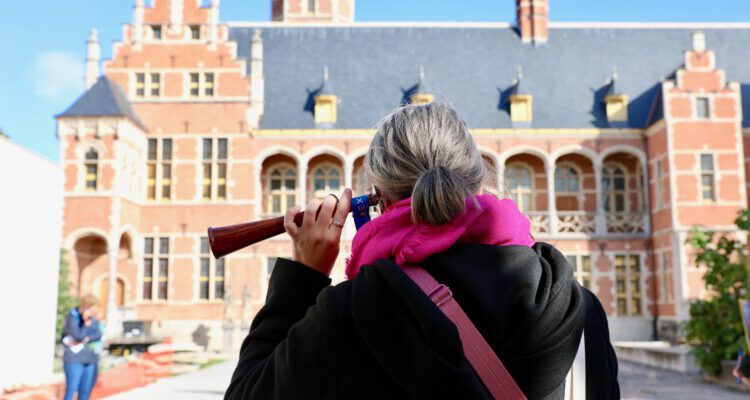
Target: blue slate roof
(473,68)
(104,98)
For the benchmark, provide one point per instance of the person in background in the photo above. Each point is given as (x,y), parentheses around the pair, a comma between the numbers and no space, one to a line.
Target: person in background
(80,359)
(742,371)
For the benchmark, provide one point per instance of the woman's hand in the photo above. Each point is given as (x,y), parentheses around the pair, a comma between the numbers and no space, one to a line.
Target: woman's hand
(316,242)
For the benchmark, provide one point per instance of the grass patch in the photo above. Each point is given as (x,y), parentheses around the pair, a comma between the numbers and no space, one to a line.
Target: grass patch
(212,362)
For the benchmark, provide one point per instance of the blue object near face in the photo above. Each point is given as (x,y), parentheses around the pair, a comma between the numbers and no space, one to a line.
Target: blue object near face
(361,210)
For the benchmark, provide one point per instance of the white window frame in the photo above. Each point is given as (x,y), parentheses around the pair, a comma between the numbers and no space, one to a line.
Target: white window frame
(268,193)
(202,75)
(658,189)
(212,276)
(579,194)
(156,256)
(147,82)
(215,162)
(159,164)
(578,269)
(516,193)
(327,177)
(712,172)
(629,286)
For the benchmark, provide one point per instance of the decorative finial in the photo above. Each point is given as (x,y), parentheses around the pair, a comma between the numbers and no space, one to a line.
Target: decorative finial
(519,73)
(699,42)
(614,73)
(421,72)
(256,35)
(325,72)
(93,35)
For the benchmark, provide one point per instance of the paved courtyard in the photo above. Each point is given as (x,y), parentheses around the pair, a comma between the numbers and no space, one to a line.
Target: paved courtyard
(636,381)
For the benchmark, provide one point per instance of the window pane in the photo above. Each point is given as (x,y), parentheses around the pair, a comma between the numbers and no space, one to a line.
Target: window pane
(163,262)
(208,149)
(290,201)
(707,162)
(586,264)
(219,268)
(155,80)
(163,245)
(219,290)
(276,204)
(147,289)
(195,32)
(702,107)
(320,184)
(205,248)
(619,183)
(205,268)
(290,183)
(166,149)
(149,246)
(148,268)
(194,81)
(204,290)
(334,184)
(152,149)
(621,307)
(572,261)
(209,81)
(222,149)
(162,290)
(92,154)
(275,184)
(619,202)
(156,29)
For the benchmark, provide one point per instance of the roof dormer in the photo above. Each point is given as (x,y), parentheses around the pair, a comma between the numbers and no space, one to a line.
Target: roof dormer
(521,102)
(616,102)
(326,103)
(421,94)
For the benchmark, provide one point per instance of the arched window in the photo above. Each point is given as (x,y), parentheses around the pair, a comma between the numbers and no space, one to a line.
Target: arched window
(567,187)
(614,188)
(281,184)
(92,168)
(362,184)
(519,183)
(326,179)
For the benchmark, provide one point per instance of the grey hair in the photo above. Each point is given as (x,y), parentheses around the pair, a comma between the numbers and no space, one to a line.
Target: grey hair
(426,152)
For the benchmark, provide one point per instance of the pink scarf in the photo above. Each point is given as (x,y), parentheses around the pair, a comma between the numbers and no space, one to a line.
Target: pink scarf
(393,235)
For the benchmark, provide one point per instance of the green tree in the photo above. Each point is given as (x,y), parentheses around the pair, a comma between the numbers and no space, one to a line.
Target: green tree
(65,300)
(715,327)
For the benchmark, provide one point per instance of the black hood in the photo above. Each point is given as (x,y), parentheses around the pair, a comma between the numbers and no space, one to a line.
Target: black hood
(525,302)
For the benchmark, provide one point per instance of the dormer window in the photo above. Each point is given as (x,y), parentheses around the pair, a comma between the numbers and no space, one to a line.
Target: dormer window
(521,102)
(311,6)
(325,109)
(521,107)
(617,107)
(195,32)
(421,94)
(156,32)
(616,102)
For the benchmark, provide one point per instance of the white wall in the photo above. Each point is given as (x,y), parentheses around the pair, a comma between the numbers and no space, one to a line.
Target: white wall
(30,235)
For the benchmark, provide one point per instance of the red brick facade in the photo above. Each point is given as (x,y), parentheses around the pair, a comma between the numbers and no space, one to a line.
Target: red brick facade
(629,247)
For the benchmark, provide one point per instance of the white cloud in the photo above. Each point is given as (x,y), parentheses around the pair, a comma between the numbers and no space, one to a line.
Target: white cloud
(57,75)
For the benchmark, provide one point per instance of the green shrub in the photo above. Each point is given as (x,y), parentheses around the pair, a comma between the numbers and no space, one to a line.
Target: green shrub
(65,300)
(715,327)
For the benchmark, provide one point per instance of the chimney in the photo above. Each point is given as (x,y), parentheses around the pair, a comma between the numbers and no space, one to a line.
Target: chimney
(93,53)
(138,23)
(257,82)
(213,22)
(532,18)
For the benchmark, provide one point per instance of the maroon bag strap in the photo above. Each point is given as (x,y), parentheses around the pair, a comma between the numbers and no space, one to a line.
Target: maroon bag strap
(478,352)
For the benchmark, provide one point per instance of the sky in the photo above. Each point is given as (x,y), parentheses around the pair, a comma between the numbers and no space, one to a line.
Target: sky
(43,42)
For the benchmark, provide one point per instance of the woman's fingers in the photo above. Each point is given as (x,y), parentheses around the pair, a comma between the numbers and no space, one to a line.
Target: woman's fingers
(310,211)
(326,211)
(343,209)
(291,228)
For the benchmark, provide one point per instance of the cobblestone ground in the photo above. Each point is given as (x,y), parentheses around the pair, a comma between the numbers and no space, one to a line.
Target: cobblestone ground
(638,382)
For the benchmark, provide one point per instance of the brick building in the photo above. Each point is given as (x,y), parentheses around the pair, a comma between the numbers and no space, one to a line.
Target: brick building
(613,138)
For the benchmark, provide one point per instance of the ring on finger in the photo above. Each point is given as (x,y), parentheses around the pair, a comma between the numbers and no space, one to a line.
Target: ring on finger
(336,223)
(335,197)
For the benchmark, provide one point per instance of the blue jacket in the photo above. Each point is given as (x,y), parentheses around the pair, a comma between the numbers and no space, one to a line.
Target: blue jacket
(76,329)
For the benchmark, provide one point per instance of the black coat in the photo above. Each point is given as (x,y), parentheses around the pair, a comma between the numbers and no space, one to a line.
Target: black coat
(379,337)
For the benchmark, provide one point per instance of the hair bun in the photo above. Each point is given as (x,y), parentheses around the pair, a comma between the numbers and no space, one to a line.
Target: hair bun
(438,196)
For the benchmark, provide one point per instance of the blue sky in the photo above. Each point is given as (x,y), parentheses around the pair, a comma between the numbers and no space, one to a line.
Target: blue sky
(43,41)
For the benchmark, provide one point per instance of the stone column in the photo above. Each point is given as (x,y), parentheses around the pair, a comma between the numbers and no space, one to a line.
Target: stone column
(600,219)
(551,206)
(348,172)
(302,176)
(111,328)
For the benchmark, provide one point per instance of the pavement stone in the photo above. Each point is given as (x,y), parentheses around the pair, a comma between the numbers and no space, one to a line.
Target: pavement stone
(205,384)
(639,382)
